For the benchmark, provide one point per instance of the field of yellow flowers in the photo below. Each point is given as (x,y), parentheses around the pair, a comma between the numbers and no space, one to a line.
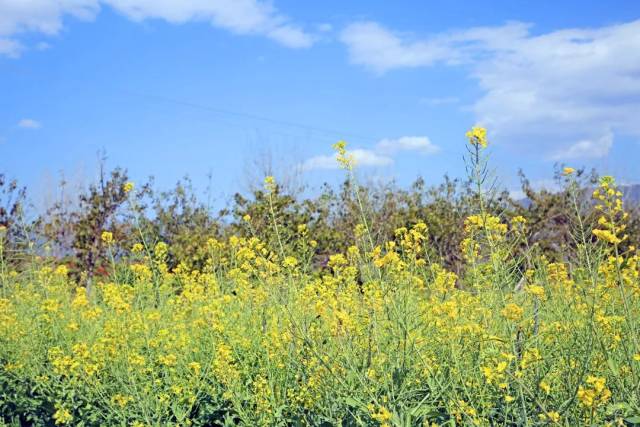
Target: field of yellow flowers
(383,335)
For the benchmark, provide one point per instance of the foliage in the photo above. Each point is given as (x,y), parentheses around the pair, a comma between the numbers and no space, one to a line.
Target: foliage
(13,224)
(365,307)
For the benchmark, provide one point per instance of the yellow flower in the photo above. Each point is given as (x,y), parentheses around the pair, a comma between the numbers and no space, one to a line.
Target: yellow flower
(477,136)
(596,394)
(62,415)
(552,416)
(107,237)
(61,270)
(195,367)
(270,184)
(512,312)
(530,357)
(382,415)
(489,223)
(359,230)
(495,374)
(290,262)
(121,400)
(127,187)
(246,218)
(519,220)
(161,250)
(544,386)
(336,261)
(568,171)
(611,222)
(168,360)
(607,236)
(136,360)
(536,291)
(137,248)
(344,158)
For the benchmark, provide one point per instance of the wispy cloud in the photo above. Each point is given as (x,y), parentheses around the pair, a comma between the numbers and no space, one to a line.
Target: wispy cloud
(372,45)
(438,101)
(379,49)
(563,94)
(381,155)
(586,149)
(246,17)
(38,16)
(407,143)
(238,16)
(10,47)
(362,158)
(29,124)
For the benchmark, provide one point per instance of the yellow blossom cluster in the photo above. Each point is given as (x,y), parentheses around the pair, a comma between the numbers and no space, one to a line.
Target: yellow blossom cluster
(383,332)
(345,159)
(595,393)
(477,136)
(612,216)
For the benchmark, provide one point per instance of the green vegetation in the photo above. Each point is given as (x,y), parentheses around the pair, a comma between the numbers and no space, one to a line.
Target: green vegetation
(451,305)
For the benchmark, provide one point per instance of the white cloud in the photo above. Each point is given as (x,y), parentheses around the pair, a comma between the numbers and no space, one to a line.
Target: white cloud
(381,155)
(320,162)
(290,36)
(407,143)
(374,46)
(249,17)
(586,149)
(369,158)
(29,124)
(362,158)
(563,93)
(42,16)
(238,16)
(10,47)
(434,102)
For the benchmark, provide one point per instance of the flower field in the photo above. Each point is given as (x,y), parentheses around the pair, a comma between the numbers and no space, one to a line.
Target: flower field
(382,334)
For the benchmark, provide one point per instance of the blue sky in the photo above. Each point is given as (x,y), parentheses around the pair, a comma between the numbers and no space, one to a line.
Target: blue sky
(170,87)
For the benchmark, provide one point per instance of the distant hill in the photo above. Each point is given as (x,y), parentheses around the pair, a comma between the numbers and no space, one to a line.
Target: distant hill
(631,193)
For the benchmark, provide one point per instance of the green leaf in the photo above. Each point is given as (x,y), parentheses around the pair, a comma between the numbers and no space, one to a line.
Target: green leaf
(633,420)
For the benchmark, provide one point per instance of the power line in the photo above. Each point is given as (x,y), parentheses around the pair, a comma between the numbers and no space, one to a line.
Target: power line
(251,116)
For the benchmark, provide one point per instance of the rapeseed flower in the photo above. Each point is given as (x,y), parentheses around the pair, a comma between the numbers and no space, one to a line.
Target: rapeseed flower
(128,187)
(344,158)
(62,416)
(107,237)
(270,184)
(512,312)
(477,136)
